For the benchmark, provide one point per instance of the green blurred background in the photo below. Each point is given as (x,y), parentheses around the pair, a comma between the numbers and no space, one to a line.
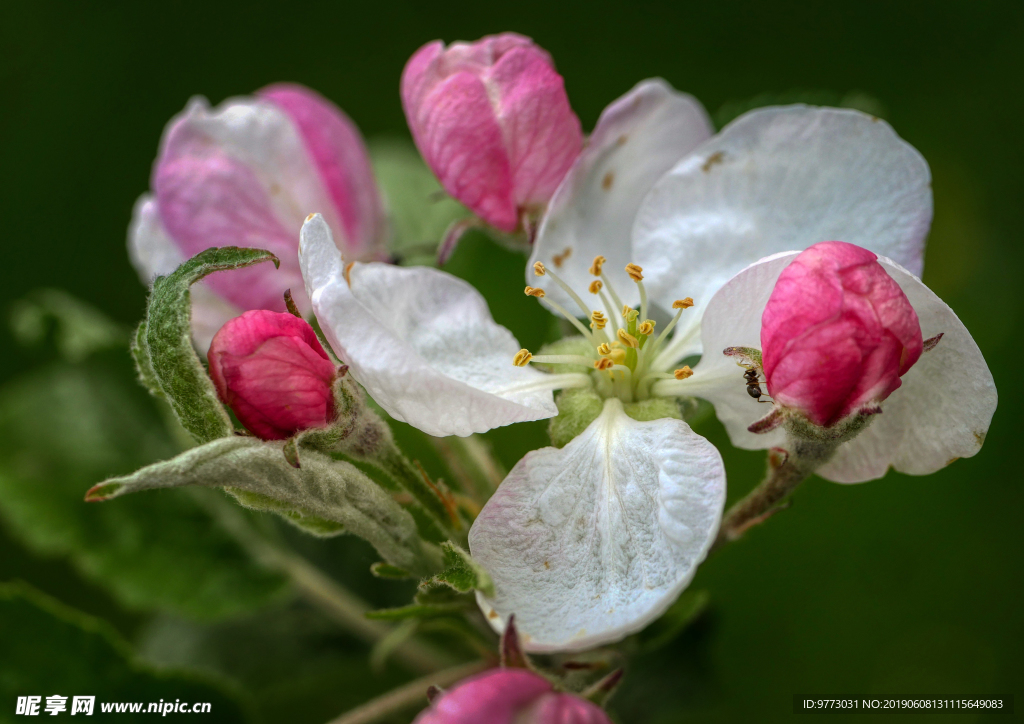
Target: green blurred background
(900,587)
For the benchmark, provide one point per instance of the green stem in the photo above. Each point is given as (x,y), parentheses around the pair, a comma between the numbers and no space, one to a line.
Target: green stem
(408,696)
(341,605)
(782,479)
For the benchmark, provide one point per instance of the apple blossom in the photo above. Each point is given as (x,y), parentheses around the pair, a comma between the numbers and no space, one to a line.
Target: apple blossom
(606,531)
(246,173)
(837,333)
(271,370)
(940,412)
(493,122)
(510,696)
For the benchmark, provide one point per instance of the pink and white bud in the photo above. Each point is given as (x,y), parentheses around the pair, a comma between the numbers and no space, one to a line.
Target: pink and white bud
(510,696)
(493,122)
(271,370)
(247,173)
(837,333)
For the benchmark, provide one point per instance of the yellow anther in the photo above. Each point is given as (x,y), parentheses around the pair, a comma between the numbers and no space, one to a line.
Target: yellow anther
(598,319)
(603,364)
(618,356)
(534,292)
(595,286)
(522,358)
(631,315)
(683,372)
(646,328)
(627,339)
(635,272)
(604,348)
(626,309)
(538,268)
(683,303)
(595,268)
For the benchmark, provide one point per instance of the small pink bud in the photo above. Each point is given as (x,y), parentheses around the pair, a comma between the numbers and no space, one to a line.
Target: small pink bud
(510,696)
(837,333)
(492,120)
(271,370)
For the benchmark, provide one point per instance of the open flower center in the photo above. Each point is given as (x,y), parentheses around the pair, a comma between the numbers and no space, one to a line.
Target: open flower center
(625,346)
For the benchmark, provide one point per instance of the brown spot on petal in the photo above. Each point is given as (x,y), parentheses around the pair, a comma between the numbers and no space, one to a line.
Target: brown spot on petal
(608,180)
(559,259)
(547,565)
(621,140)
(714,158)
(951,461)
(492,614)
(979,437)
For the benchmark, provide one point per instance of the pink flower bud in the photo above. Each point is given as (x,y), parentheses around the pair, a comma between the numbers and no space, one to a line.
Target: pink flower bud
(837,333)
(492,120)
(510,696)
(271,370)
(247,173)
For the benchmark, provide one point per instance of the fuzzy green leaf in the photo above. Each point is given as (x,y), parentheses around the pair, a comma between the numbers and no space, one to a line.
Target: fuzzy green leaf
(322,490)
(50,649)
(163,346)
(577,408)
(463,573)
(64,427)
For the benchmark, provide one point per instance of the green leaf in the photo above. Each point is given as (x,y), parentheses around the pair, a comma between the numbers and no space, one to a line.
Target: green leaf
(163,344)
(78,329)
(416,610)
(49,649)
(64,427)
(323,489)
(462,572)
(419,211)
(386,570)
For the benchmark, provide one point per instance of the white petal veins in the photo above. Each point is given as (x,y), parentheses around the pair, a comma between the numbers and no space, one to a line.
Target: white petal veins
(421,342)
(153,254)
(778,179)
(589,543)
(637,139)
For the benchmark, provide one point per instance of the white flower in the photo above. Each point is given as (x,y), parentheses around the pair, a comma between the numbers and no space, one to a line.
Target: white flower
(605,532)
(591,542)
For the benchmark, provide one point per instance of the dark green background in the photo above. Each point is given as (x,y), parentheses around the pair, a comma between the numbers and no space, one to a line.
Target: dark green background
(902,586)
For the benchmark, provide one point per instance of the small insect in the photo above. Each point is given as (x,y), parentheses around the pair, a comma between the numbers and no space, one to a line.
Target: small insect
(753,383)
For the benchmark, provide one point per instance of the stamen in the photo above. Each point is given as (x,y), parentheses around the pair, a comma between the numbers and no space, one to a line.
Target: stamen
(611,290)
(534,292)
(538,268)
(598,319)
(647,328)
(595,268)
(680,305)
(561,359)
(603,364)
(522,358)
(627,339)
(348,272)
(626,309)
(595,286)
(604,348)
(635,272)
(683,372)
(568,290)
(683,303)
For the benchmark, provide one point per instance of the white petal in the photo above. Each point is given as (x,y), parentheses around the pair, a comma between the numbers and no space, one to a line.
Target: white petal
(779,179)
(637,139)
(942,410)
(733,319)
(261,135)
(421,342)
(590,543)
(153,254)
